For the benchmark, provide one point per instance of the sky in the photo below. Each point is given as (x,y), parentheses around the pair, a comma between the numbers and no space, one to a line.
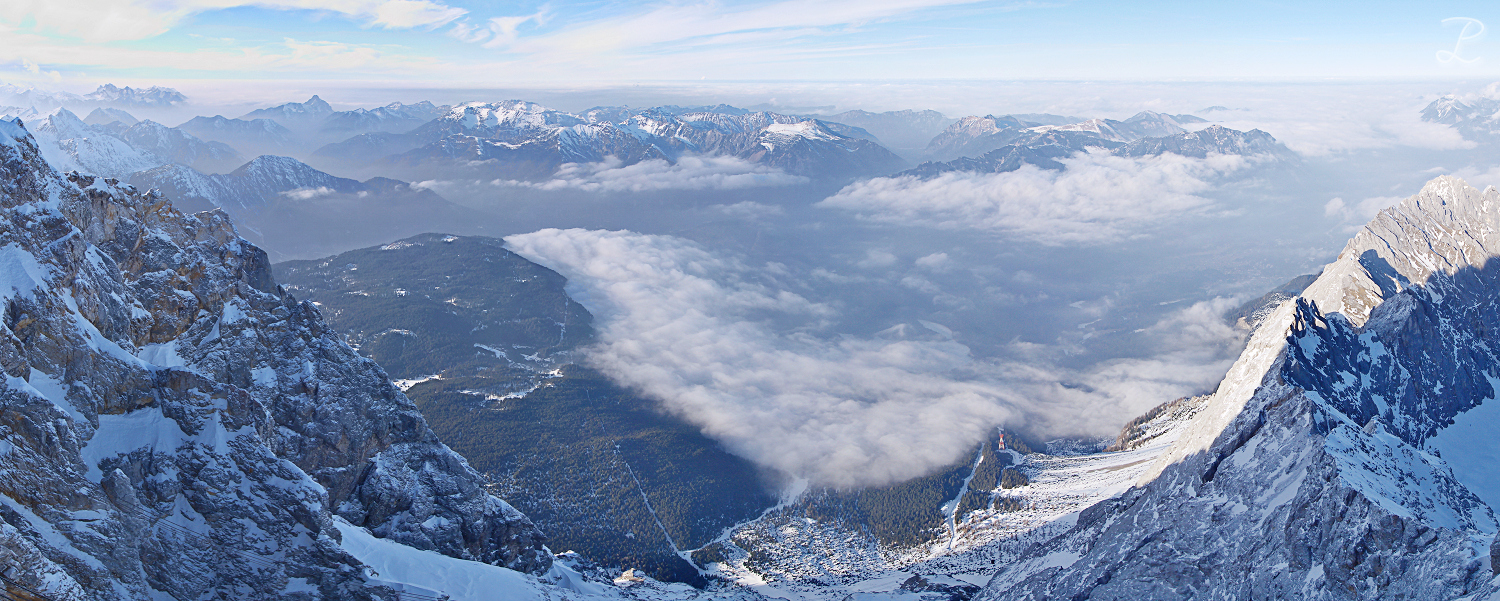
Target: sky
(470,44)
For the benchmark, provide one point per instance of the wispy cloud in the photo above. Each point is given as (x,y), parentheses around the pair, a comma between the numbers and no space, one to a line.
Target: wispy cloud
(498,31)
(113,20)
(284,56)
(408,14)
(656,28)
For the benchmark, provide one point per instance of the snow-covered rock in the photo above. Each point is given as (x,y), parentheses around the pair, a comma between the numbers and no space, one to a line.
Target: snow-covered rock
(1476,116)
(253,186)
(1340,458)
(177,146)
(173,425)
(815,149)
(70,144)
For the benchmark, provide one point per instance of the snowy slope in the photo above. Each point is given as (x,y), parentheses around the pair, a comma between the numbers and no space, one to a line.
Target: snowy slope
(70,144)
(1317,469)
(253,186)
(180,147)
(176,426)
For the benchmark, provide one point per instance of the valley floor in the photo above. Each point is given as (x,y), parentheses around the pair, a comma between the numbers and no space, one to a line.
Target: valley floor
(810,560)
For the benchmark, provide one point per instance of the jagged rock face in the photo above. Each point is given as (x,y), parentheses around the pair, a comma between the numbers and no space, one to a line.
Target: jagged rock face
(1310,473)
(69,143)
(159,382)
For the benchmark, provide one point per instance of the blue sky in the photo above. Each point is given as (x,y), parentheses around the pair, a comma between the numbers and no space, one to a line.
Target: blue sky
(485,44)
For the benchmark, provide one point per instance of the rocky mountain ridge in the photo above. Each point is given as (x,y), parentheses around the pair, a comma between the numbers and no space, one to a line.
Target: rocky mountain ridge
(1327,465)
(174,423)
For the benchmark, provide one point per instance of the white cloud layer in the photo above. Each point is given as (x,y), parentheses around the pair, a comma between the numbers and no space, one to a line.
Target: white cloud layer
(1356,214)
(688,173)
(1097,198)
(728,347)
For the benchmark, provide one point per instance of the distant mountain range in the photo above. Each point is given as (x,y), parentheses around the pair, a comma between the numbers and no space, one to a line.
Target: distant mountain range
(1477,116)
(295,211)
(154,96)
(976,136)
(524,140)
(105,95)
(904,132)
(1046,148)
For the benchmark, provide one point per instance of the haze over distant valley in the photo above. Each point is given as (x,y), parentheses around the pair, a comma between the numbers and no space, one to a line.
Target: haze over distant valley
(897,301)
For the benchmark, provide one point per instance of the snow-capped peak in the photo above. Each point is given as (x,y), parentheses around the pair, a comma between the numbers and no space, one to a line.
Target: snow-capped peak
(804,129)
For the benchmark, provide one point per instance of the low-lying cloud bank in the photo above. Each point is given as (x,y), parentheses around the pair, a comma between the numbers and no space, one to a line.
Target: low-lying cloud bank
(688,173)
(1097,198)
(729,347)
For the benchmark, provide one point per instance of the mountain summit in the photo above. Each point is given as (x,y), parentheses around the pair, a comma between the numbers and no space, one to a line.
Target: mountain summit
(1345,454)
(173,424)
